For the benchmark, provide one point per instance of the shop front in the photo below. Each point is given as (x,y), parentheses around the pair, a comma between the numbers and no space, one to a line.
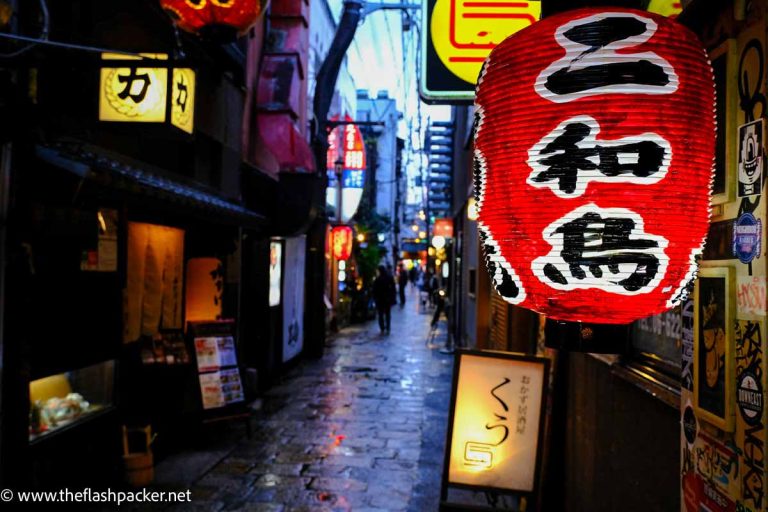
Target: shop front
(123,253)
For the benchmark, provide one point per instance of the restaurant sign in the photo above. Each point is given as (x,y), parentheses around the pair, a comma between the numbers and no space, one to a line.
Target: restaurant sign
(131,93)
(495,423)
(457,36)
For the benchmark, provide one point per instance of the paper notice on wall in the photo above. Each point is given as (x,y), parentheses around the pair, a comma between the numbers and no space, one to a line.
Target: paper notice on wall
(107,246)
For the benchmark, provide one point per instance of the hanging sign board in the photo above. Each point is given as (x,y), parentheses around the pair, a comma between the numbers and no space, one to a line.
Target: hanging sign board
(458,35)
(152,94)
(133,94)
(346,142)
(496,422)
(183,99)
(443,227)
(341,240)
(596,212)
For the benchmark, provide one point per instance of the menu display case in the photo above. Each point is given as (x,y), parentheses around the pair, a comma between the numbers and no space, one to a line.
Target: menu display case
(63,401)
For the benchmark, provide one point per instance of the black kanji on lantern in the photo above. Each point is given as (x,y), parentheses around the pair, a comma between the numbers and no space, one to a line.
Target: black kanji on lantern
(596,35)
(575,150)
(592,65)
(597,243)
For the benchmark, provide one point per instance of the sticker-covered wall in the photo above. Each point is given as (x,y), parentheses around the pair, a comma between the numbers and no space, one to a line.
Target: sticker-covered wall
(723,429)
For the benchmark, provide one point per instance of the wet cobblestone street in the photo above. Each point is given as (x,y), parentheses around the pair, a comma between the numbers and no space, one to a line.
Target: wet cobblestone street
(361,429)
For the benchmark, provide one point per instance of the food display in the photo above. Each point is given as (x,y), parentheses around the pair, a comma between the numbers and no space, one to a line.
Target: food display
(57,412)
(66,398)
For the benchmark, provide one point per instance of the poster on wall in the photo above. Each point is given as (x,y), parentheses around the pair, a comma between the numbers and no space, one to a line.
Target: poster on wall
(495,429)
(293,297)
(275,272)
(750,158)
(713,346)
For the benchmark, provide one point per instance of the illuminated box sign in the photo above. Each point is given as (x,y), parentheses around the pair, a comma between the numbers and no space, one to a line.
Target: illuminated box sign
(346,141)
(134,94)
(443,227)
(341,240)
(183,99)
(457,36)
(496,422)
(275,272)
(597,211)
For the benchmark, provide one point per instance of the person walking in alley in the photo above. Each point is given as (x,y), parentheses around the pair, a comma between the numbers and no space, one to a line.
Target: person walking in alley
(384,295)
(402,281)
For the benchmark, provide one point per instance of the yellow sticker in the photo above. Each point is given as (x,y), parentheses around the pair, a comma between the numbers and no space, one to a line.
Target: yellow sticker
(665,7)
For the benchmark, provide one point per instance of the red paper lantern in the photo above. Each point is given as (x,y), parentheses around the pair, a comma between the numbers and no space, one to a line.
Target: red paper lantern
(229,15)
(595,142)
(341,239)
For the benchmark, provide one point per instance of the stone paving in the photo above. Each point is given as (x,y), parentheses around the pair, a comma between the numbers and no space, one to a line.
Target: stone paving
(361,429)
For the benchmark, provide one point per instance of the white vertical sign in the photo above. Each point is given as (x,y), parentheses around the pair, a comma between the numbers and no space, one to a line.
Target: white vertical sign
(293,297)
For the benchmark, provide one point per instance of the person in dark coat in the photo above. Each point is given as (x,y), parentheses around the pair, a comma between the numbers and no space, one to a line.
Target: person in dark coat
(384,296)
(402,281)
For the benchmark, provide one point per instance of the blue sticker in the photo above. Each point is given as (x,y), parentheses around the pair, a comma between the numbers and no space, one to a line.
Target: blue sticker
(747,233)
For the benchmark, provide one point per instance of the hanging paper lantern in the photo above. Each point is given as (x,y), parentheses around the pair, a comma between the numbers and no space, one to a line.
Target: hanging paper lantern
(594,151)
(228,16)
(341,237)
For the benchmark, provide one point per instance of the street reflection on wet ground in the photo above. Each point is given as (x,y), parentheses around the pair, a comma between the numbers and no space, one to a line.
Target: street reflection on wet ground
(361,429)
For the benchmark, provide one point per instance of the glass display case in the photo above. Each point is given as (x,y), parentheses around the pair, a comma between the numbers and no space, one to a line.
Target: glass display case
(61,401)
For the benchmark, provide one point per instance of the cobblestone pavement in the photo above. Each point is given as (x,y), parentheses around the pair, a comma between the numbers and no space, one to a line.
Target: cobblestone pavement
(361,429)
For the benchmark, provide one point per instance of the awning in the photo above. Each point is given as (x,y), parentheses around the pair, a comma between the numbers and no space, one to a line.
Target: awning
(115,172)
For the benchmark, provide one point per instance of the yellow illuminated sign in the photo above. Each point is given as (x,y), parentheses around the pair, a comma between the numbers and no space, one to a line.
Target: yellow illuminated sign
(463,33)
(496,420)
(141,94)
(131,94)
(183,99)
(665,7)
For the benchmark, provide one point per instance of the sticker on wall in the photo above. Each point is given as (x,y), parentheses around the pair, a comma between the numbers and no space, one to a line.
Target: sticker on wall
(690,425)
(749,397)
(747,233)
(699,495)
(750,158)
(749,369)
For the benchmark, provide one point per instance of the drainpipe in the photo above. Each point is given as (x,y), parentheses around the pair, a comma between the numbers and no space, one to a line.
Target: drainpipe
(327,76)
(326,83)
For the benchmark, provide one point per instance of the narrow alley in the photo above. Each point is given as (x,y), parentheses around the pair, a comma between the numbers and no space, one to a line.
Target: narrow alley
(361,429)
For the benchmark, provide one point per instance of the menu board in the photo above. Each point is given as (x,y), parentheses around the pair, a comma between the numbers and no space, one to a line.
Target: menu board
(221,388)
(215,352)
(218,373)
